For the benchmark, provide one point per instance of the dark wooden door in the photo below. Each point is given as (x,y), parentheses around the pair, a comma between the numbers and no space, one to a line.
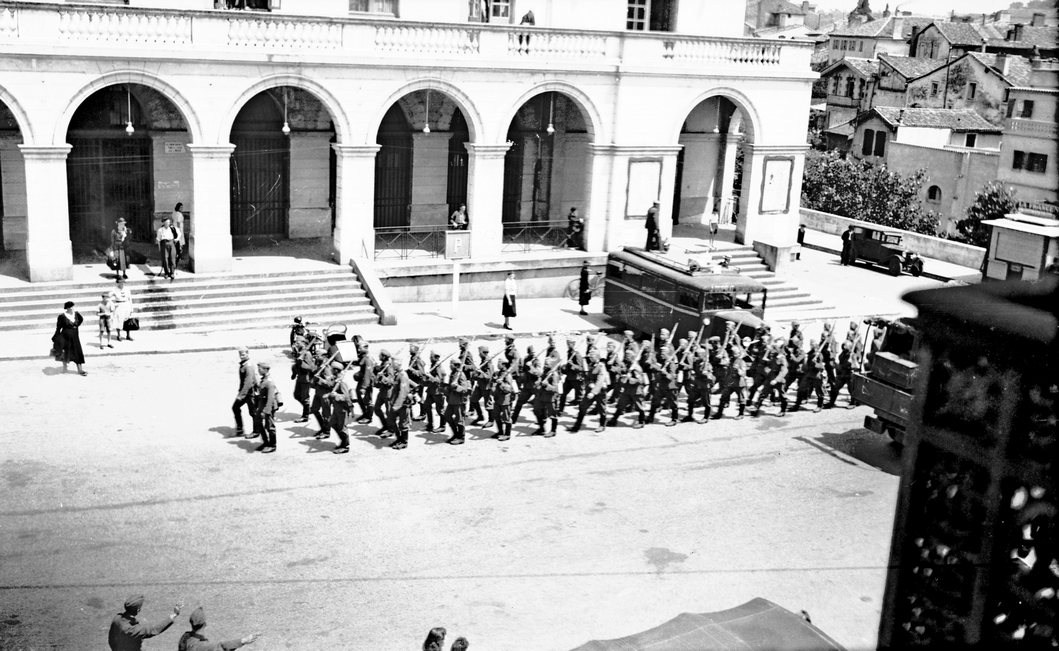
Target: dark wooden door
(260,185)
(513,179)
(458,163)
(393,172)
(107,179)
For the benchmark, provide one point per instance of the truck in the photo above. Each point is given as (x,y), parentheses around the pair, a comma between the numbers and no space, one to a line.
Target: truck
(889,376)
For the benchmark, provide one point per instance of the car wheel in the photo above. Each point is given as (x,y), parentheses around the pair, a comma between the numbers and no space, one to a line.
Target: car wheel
(894,266)
(917,268)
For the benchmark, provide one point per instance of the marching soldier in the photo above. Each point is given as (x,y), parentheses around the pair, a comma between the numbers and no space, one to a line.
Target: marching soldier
(698,381)
(504,390)
(597,380)
(511,354)
(464,354)
(665,384)
(573,375)
(365,378)
(302,372)
(341,399)
(552,351)
(384,380)
(546,398)
(758,353)
(417,371)
(718,359)
(530,372)
(435,401)
(734,381)
(631,382)
(457,390)
(828,352)
(843,374)
(322,383)
(267,404)
(613,362)
(812,380)
(795,360)
(796,337)
(482,374)
(401,399)
(775,378)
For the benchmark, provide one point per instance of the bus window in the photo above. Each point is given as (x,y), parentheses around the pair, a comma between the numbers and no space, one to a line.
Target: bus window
(614,271)
(689,298)
(718,301)
(744,302)
(665,290)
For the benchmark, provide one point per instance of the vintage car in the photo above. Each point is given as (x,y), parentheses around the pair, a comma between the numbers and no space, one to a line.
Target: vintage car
(884,248)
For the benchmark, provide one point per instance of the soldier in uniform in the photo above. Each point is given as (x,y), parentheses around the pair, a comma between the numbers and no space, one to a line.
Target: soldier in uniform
(384,379)
(665,384)
(843,374)
(795,360)
(482,374)
(194,640)
(775,378)
(365,378)
(597,380)
(322,382)
(457,390)
(552,351)
(546,398)
(632,383)
(504,390)
(245,396)
(464,354)
(302,372)
(435,400)
(698,381)
(828,352)
(718,359)
(511,354)
(401,400)
(758,370)
(812,380)
(527,383)
(734,381)
(341,399)
(127,632)
(573,375)
(417,370)
(267,404)
(613,362)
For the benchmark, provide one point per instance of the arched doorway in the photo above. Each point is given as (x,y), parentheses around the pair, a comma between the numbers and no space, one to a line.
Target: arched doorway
(12,184)
(546,170)
(282,169)
(128,160)
(709,170)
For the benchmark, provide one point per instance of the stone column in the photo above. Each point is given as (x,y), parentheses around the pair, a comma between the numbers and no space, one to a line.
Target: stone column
(48,251)
(354,235)
(771,193)
(485,198)
(597,214)
(730,143)
(210,235)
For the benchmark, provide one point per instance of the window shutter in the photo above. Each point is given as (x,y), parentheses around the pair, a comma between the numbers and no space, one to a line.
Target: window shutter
(869,136)
(880,143)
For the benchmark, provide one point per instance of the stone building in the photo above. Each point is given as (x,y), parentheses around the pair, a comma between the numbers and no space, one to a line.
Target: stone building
(1028,155)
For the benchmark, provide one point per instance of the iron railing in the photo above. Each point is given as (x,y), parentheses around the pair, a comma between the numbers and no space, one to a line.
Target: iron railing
(403,242)
(532,236)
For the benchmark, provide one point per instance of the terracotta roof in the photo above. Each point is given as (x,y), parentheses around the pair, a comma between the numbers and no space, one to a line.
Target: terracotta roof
(967,33)
(1018,67)
(884,27)
(912,67)
(784,7)
(863,67)
(1044,38)
(955,119)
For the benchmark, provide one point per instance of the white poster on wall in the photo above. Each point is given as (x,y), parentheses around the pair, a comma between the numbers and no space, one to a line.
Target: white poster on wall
(776,185)
(645,185)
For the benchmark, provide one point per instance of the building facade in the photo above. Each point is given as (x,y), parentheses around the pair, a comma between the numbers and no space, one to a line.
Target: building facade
(332,119)
(1028,155)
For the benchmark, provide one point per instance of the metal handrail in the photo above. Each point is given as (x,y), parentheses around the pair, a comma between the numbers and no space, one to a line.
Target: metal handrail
(403,242)
(527,236)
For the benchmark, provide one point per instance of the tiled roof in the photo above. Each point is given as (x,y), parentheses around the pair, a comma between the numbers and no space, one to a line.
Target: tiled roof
(955,119)
(912,67)
(884,27)
(784,7)
(1044,38)
(870,29)
(1018,67)
(967,33)
(863,67)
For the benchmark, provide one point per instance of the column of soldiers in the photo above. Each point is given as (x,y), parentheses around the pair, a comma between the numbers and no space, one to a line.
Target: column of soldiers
(641,379)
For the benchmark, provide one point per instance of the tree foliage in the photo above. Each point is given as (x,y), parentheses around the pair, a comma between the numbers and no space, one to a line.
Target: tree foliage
(860,190)
(993,201)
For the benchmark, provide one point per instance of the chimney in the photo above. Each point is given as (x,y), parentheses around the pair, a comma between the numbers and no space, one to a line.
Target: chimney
(899,27)
(806,7)
(1015,33)
(1037,20)
(762,13)
(1003,63)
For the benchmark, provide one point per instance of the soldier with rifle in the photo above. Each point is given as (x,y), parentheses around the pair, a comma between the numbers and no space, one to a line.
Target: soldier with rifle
(384,379)
(482,375)
(365,379)
(401,401)
(436,382)
(322,381)
(665,385)
(457,391)
(795,359)
(698,382)
(775,378)
(504,390)
(734,380)
(529,373)
(812,380)
(829,351)
(511,354)
(613,362)
(417,370)
(843,374)
(341,399)
(597,380)
(573,375)
(302,372)
(546,398)
(632,384)
(758,370)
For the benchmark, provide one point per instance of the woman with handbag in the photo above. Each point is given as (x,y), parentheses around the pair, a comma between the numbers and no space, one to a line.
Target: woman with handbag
(66,342)
(122,314)
(119,245)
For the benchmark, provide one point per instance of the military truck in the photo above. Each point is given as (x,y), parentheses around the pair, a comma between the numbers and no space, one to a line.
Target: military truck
(887,383)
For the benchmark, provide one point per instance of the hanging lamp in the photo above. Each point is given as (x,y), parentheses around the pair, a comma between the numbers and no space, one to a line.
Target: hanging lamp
(717,124)
(426,119)
(551,115)
(129,129)
(286,125)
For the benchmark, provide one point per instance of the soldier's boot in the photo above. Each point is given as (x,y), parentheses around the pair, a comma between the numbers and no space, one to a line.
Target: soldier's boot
(705,413)
(540,427)
(783,405)
(602,424)
(554,425)
(478,418)
(742,408)
(639,420)
(650,416)
(676,416)
(577,421)
(504,431)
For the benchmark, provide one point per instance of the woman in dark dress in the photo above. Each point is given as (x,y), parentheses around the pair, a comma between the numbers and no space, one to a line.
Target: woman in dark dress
(67,338)
(584,290)
(119,243)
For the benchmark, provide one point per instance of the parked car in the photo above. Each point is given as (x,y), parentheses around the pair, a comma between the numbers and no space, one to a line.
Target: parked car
(884,248)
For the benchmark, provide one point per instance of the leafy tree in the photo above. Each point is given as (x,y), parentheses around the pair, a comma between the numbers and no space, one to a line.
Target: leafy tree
(860,190)
(993,201)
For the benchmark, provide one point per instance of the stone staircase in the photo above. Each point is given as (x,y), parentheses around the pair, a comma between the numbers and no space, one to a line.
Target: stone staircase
(784,298)
(202,302)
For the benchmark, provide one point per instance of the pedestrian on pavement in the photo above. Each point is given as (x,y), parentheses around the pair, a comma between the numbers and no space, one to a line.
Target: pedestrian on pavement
(66,342)
(714,226)
(127,632)
(122,299)
(435,640)
(178,231)
(119,244)
(267,404)
(103,312)
(194,640)
(510,291)
(652,228)
(801,241)
(584,290)
(166,241)
(847,246)
(247,395)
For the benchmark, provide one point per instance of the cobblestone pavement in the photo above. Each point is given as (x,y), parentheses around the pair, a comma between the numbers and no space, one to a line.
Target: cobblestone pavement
(128,481)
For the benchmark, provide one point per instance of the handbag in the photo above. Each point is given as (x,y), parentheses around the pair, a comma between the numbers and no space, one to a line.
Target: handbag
(112,259)
(131,323)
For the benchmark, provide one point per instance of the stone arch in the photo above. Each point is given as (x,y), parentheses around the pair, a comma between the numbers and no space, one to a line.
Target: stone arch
(20,115)
(594,121)
(742,102)
(325,96)
(130,77)
(454,93)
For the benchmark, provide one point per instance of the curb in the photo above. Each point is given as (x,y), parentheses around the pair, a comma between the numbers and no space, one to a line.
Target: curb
(925,274)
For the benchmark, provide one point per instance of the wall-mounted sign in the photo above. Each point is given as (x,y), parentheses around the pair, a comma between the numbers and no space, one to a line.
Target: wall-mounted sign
(645,186)
(174,148)
(169,185)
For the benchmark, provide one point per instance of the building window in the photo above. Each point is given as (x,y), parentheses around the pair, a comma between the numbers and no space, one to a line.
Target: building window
(934,194)
(849,86)
(1011,108)
(869,139)
(880,143)
(970,139)
(1027,109)
(972,90)
(1030,162)
(374,6)
(636,16)
(1019,160)
(933,89)
(860,46)
(834,85)
(860,91)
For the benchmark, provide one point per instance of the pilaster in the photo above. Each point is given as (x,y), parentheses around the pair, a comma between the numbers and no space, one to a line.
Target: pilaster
(354,235)
(210,236)
(771,193)
(49,255)
(726,210)
(485,198)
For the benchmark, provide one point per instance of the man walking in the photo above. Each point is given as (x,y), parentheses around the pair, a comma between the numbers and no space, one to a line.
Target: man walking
(400,403)
(194,640)
(459,387)
(267,404)
(245,396)
(166,241)
(341,399)
(652,228)
(127,632)
(596,382)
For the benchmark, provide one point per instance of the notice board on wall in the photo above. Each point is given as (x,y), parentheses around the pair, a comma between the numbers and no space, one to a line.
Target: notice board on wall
(645,186)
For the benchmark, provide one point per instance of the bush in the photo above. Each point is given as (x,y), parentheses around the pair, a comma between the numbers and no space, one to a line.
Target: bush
(992,202)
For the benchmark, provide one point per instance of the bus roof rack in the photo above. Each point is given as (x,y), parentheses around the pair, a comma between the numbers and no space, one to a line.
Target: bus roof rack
(729,280)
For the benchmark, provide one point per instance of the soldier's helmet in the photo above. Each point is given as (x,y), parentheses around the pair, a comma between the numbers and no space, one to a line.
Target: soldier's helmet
(397,364)
(337,365)
(613,345)
(593,355)
(778,343)
(483,349)
(434,356)
(530,350)
(746,342)
(413,349)
(663,333)
(463,341)
(714,340)
(847,345)
(570,343)
(681,342)
(297,320)
(454,363)
(384,354)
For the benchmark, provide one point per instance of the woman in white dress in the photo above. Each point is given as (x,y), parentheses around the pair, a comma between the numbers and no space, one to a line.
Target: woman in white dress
(508,308)
(122,299)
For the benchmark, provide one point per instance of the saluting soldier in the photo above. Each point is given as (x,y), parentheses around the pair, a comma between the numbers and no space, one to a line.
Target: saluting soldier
(400,403)
(417,371)
(530,372)
(698,381)
(302,372)
(482,374)
(365,378)
(775,379)
(504,390)
(632,382)
(734,381)
(546,399)
(322,381)
(812,380)
(341,399)
(843,374)
(597,381)
(435,401)
(665,385)
(457,391)
(384,379)
(573,375)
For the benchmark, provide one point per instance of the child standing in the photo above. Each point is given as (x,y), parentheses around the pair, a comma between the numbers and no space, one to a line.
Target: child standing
(103,311)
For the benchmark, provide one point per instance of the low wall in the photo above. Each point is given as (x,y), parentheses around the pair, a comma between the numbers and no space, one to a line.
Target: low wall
(431,281)
(934,248)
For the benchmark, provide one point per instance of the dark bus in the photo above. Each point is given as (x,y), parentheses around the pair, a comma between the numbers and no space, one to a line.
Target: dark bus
(647,292)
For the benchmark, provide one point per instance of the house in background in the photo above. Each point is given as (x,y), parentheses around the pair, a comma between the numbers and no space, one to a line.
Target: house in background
(869,40)
(975,80)
(958,149)
(849,82)
(895,75)
(1027,157)
(946,40)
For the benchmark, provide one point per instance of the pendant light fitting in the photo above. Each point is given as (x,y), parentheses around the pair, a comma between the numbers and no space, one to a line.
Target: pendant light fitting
(129,129)
(426,120)
(551,115)
(286,125)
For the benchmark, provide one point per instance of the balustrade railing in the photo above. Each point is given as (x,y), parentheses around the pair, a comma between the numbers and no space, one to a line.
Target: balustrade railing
(8,23)
(722,52)
(426,39)
(404,242)
(124,27)
(284,34)
(534,236)
(540,43)
(1034,127)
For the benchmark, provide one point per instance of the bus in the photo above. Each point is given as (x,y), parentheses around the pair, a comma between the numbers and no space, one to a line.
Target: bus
(647,292)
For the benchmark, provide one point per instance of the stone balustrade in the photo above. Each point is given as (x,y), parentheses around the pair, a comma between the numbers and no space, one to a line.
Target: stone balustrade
(1032,127)
(46,24)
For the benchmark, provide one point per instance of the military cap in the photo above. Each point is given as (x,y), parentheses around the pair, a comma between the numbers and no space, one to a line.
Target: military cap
(434,355)
(483,349)
(463,341)
(297,319)
(384,353)
(133,603)
(397,363)
(198,618)
(338,365)
(714,340)
(530,349)
(414,348)
(509,338)
(264,365)
(628,333)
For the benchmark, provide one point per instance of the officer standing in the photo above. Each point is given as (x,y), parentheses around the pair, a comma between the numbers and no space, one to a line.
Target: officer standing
(597,380)
(400,403)
(631,382)
(127,632)
(459,387)
(341,399)
(504,390)
(267,404)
